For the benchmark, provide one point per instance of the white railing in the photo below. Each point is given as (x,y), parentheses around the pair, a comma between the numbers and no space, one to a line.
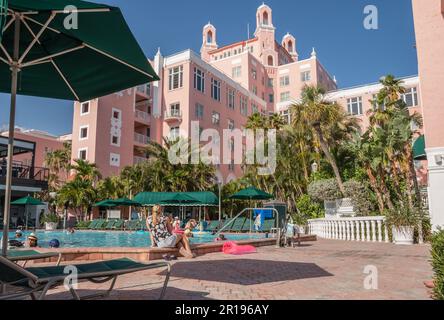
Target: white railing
(140,138)
(144,89)
(138,160)
(173,115)
(142,115)
(370,229)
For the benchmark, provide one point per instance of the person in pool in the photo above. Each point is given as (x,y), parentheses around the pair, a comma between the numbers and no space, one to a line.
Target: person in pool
(18,234)
(161,231)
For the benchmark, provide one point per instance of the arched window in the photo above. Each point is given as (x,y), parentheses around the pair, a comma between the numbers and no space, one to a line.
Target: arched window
(290,46)
(265,18)
(210,37)
(270,61)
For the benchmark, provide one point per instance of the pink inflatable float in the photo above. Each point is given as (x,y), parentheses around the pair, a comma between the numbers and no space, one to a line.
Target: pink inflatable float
(231,247)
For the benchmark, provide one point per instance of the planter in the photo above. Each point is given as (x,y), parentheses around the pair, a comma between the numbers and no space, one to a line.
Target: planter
(403,235)
(51,226)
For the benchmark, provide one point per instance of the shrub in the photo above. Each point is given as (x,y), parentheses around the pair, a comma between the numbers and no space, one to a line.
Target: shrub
(308,209)
(438,264)
(50,217)
(324,190)
(403,217)
(359,193)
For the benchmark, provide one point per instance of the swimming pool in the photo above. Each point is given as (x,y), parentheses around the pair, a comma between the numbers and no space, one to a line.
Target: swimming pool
(97,239)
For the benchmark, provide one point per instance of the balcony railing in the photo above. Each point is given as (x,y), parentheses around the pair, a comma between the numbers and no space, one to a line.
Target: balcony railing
(142,115)
(138,160)
(20,171)
(143,89)
(369,229)
(141,138)
(173,115)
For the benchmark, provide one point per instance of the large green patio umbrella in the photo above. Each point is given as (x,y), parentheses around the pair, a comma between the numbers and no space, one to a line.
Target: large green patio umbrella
(252,193)
(43,52)
(27,201)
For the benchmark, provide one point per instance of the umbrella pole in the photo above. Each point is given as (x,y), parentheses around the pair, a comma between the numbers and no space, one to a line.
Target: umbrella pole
(14,76)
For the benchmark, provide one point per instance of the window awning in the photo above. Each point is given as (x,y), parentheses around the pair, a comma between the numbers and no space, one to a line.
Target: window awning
(419,149)
(169,199)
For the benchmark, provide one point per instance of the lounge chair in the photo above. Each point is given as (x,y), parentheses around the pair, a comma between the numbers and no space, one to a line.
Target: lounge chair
(31,255)
(238,224)
(119,224)
(213,226)
(132,225)
(268,225)
(248,226)
(31,281)
(99,225)
(92,224)
(109,225)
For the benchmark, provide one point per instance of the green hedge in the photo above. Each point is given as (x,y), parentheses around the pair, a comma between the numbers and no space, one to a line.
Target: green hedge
(438,264)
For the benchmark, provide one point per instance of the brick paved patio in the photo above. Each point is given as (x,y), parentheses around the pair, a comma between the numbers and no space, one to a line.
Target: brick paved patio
(321,270)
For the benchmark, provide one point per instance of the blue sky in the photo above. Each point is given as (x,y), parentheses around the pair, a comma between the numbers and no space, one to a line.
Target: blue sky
(335,28)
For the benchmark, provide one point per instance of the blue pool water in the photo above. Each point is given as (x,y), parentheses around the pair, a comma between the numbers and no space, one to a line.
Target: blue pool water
(88,239)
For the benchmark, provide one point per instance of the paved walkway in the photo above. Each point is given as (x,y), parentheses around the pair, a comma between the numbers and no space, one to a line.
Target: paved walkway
(321,270)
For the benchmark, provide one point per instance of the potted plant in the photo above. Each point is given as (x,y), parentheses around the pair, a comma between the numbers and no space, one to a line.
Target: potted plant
(51,221)
(403,222)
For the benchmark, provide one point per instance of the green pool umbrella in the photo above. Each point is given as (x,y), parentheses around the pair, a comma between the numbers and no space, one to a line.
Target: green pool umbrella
(125,202)
(252,194)
(27,201)
(83,53)
(104,203)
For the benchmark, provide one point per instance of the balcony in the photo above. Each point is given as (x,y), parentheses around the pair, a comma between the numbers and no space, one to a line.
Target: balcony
(141,139)
(142,117)
(24,176)
(173,115)
(144,90)
(139,160)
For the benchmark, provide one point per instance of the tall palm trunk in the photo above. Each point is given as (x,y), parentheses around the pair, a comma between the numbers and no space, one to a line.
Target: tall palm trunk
(329,157)
(374,185)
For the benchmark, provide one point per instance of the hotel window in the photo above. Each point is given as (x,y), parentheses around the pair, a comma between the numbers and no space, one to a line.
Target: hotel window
(83,133)
(411,97)
(270,83)
(230,124)
(305,76)
(231,165)
(355,106)
(175,109)
(176,78)
(285,96)
(255,90)
(237,72)
(215,118)
(84,108)
(83,154)
(115,140)
(174,133)
(215,89)
(231,98)
(271,98)
(244,106)
(286,116)
(376,105)
(254,108)
(284,81)
(254,74)
(199,111)
(199,80)
(117,114)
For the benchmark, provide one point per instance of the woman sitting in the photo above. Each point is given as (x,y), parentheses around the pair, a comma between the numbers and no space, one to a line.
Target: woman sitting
(161,231)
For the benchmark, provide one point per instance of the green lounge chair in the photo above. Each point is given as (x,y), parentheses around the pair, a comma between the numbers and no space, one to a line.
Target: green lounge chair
(226,227)
(92,224)
(31,255)
(213,226)
(99,225)
(31,281)
(238,224)
(247,225)
(119,224)
(268,225)
(132,225)
(109,225)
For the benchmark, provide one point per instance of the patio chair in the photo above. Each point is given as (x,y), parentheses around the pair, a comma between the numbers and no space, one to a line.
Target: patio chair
(109,225)
(132,225)
(247,225)
(268,225)
(31,281)
(86,226)
(92,224)
(213,226)
(99,225)
(238,224)
(119,224)
(31,255)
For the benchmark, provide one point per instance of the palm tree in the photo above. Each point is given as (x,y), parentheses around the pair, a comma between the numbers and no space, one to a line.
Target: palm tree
(325,122)
(58,162)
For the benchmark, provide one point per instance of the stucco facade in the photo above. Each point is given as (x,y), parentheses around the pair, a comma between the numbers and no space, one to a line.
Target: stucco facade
(429,28)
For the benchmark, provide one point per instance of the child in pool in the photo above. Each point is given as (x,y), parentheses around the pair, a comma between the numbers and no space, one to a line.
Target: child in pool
(221,238)
(189,227)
